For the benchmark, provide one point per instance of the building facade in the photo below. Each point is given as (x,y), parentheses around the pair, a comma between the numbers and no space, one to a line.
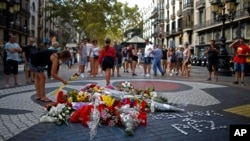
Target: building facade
(207,26)
(173,22)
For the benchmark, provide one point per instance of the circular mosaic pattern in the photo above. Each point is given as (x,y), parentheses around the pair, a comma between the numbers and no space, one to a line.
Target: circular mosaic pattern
(159,86)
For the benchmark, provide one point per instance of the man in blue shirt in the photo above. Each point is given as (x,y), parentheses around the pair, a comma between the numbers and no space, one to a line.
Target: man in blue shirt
(12,56)
(157,52)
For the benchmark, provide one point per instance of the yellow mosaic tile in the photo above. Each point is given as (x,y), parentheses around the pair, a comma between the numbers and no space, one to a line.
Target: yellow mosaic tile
(243,110)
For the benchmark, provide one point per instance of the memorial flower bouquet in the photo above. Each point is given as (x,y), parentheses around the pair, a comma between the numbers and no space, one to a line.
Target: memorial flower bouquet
(126,87)
(57,114)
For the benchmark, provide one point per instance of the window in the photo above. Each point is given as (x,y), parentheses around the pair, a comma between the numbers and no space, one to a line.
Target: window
(201,16)
(33,7)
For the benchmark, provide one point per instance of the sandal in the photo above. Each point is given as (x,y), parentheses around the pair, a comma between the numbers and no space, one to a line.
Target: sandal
(38,98)
(45,100)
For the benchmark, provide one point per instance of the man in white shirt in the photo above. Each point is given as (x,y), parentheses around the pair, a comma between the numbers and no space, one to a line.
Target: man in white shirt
(148,58)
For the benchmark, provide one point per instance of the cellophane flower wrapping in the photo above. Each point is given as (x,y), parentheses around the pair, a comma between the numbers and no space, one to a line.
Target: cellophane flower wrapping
(129,119)
(58,114)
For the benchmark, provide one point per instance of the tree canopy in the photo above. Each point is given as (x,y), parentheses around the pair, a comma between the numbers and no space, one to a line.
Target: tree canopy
(96,18)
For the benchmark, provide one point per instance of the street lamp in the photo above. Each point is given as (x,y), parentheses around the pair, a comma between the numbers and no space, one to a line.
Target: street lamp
(9,7)
(219,8)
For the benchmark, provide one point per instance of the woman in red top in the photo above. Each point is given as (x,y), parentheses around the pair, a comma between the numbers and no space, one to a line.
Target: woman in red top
(107,59)
(240,55)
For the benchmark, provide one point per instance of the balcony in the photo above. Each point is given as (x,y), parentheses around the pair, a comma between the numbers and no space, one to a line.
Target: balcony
(25,12)
(167,34)
(188,5)
(40,26)
(154,13)
(240,14)
(173,17)
(188,27)
(167,6)
(167,20)
(200,4)
(179,29)
(173,2)
(179,13)
(173,31)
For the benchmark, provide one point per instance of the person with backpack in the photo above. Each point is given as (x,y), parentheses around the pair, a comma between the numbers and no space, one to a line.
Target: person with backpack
(28,50)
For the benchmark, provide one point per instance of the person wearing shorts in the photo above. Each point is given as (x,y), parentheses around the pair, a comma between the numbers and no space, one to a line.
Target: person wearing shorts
(147,58)
(212,59)
(12,50)
(106,59)
(240,54)
(38,66)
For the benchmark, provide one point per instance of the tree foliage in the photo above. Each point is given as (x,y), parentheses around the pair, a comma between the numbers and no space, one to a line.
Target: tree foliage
(97,18)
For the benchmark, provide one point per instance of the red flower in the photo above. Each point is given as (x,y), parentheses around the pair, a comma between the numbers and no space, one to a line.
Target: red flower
(60,97)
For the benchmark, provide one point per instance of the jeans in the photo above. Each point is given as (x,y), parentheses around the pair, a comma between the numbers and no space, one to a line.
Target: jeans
(157,64)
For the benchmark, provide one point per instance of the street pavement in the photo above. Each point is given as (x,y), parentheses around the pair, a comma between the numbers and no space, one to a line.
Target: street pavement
(210,108)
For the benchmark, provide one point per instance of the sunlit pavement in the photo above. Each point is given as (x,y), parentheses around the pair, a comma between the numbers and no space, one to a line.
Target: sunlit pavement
(210,107)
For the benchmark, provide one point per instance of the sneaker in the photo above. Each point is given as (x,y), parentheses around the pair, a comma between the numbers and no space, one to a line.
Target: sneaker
(235,82)
(109,86)
(147,75)
(209,79)
(51,78)
(82,75)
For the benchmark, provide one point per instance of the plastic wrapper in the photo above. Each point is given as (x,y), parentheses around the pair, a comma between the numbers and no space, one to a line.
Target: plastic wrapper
(164,107)
(129,119)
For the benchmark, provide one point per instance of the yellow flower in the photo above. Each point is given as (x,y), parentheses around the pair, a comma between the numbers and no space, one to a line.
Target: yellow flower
(70,99)
(108,100)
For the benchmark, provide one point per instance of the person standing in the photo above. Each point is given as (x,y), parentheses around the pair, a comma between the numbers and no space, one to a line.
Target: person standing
(147,58)
(12,56)
(212,60)
(125,59)
(89,56)
(171,60)
(140,57)
(157,52)
(186,60)
(134,59)
(118,61)
(95,64)
(179,59)
(164,62)
(49,57)
(71,60)
(106,60)
(27,51)
(241,51)
(83,52)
